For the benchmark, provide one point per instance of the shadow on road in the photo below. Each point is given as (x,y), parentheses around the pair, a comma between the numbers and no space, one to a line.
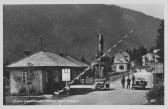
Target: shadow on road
(104,89)
(81,91)
(74,91)
(142,89)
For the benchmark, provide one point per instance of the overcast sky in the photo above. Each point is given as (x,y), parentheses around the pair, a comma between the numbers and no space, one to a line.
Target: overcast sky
(156,10)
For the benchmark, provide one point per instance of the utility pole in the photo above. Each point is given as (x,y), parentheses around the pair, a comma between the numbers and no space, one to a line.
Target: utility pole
(101,42)
(101,47)
(41,42)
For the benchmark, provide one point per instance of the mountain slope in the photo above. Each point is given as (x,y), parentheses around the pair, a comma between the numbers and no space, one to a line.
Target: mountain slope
(74,26)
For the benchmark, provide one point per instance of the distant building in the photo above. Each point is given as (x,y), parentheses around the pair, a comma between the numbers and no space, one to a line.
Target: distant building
(149,59)
(48,69)
(158,70)
(151,63)
(121,61)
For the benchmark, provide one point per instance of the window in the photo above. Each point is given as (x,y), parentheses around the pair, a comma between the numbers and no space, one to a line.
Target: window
(121,67)
(56,76)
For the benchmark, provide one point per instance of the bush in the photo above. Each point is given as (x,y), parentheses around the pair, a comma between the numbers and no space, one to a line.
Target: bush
(157,93)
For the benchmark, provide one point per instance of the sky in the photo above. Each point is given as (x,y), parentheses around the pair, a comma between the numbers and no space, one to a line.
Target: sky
(156,10)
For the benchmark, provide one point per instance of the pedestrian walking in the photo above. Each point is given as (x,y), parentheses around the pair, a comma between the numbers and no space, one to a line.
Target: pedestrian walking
(133,79)
(67,88)
(128,82)
(123,81)
(107,85)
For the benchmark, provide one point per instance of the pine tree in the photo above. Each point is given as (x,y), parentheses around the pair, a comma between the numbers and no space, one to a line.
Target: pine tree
(160,42)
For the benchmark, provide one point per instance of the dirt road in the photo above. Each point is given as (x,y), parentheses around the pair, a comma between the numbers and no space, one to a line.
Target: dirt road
(115,96)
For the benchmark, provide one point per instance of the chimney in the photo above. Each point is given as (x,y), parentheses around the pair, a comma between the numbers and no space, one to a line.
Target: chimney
(61,54)
(27,53)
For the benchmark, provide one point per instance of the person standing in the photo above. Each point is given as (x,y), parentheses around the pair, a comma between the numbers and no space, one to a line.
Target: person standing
(67,88)
(128,82)
(107,83)
(133,79)
(123,81)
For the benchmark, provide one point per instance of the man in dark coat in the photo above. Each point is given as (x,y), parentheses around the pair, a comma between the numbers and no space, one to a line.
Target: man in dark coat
(133,79)
(123,81)
(128,82)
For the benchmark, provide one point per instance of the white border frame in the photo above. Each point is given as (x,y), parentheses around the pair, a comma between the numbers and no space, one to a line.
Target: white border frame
(165,2)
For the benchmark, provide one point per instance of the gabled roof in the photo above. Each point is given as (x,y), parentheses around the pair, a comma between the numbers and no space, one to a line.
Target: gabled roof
(150,56)
(121,57)
(44,59)
(81,64)
(120,60)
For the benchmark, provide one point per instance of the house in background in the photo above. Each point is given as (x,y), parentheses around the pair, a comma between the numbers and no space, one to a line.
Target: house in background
(149,59)
(158,70)
(47,68)
(151,63)
(121,61)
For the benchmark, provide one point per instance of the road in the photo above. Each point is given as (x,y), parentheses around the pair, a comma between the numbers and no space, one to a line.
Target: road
(115,96)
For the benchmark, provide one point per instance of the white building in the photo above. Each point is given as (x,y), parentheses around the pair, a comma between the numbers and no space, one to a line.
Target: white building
(149,59)
(121,60)
(47,68)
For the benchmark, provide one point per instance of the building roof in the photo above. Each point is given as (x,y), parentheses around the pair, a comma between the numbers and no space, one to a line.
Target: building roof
(44,59)
(76,61)
(150,56)
(121,57)
(120,60)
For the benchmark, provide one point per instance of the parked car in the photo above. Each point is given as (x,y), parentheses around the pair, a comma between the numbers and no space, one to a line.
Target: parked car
(140,83)
(102,84)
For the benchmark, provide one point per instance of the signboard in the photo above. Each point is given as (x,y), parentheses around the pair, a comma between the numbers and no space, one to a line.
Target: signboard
(132,64)
(66,74)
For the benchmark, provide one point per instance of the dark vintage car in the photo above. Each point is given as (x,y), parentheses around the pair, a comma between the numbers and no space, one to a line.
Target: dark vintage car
(140,83)
(102,84)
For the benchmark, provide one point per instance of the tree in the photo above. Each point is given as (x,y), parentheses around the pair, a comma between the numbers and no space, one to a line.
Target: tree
(157,92)
(5,70)
(141,51)
(136,54)
(28,77)
(83,59)
(151,49)
(160,42)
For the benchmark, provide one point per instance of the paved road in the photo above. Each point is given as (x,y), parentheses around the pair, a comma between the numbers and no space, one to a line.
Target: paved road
(115,96)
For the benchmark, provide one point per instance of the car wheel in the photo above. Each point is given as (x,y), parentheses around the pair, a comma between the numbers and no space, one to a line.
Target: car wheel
(98,85)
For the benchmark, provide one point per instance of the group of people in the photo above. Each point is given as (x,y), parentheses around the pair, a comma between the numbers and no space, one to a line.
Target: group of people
(123,80)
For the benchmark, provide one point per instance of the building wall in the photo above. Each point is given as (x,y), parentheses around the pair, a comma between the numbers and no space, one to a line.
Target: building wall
(16,81)
(118,68)
(52,78)
(158,68)
(46,79)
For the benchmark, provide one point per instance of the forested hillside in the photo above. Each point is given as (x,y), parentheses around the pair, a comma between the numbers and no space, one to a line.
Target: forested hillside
(74,26)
